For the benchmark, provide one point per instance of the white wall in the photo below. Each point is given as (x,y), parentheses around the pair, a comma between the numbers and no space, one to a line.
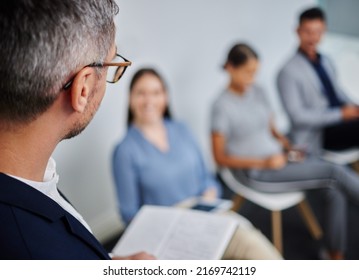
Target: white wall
(344,51)
(187,41)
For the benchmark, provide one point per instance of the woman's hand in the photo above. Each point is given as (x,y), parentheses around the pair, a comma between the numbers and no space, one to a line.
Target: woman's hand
(275,161)
(296,155)
(210,194)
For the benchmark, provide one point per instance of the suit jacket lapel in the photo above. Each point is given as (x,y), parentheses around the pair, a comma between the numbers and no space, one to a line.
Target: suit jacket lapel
(309,73)
(81,232)
(19,194)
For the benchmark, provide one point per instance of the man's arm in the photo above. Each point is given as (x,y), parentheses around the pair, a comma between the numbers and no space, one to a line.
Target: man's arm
(223,159)
(300,115)
(284,141)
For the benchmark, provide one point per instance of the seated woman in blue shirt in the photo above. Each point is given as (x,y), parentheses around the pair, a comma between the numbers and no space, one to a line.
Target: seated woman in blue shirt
(158,162)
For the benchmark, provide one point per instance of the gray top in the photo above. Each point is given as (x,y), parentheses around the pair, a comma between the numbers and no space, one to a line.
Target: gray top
(302,94)
(244,120)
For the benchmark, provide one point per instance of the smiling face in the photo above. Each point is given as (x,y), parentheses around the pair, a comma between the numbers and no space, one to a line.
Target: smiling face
(148,100)
(310,32)
(243,76)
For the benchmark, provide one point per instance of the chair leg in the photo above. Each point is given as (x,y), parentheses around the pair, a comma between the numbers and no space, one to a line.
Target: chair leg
(237,202)
(310,220)
(277,230)
(355,166)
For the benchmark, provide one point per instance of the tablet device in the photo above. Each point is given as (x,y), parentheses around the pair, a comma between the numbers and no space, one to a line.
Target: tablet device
(216,205)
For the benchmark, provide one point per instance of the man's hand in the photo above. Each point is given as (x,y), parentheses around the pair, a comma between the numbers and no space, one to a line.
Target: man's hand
(137,256)
(350,112)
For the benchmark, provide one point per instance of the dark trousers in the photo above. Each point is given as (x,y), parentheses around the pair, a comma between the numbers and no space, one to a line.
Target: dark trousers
(341,136)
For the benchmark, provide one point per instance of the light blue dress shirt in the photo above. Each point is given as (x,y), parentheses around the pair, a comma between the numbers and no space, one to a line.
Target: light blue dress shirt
(145,175)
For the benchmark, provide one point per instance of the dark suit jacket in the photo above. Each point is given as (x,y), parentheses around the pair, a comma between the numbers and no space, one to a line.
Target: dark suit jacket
(33,226)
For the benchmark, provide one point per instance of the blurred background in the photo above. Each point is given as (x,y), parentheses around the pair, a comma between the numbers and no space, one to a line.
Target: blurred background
(187,42)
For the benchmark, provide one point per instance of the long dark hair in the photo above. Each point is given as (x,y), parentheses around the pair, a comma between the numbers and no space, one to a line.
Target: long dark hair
(140,73)
(239,54)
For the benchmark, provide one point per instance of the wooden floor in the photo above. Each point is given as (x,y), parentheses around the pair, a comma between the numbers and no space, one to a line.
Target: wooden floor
(298,244)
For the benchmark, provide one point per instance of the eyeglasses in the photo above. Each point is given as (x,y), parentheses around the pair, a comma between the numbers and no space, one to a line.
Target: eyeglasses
(116,69)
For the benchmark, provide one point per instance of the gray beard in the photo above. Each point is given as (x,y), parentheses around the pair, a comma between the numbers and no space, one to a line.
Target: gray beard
(82,124)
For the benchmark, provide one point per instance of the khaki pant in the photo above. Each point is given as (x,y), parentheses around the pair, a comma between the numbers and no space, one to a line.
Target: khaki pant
(248,243)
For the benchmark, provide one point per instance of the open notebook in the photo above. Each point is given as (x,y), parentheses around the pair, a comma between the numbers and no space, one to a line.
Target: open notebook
(171,233)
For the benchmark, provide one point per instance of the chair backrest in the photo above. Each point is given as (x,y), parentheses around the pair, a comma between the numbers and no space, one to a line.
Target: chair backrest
(270,201)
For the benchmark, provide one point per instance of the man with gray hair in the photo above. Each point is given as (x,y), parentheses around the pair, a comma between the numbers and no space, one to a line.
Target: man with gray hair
(56,56)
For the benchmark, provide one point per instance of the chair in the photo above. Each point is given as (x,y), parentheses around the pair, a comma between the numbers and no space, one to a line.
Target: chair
(341,157)
(274,202)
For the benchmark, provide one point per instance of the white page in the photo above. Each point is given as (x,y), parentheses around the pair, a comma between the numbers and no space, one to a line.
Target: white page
(146,231)
(198,235)
(173,233)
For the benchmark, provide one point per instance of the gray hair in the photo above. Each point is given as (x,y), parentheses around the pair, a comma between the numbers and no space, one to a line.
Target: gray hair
(42,44)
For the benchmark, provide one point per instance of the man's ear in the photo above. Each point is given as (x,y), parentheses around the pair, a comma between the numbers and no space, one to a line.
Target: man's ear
(81,88)
(229,68)
(298,29)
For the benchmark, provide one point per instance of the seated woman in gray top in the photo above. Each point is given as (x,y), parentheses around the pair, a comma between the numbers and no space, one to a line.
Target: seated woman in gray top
(158,162)
(244,137)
